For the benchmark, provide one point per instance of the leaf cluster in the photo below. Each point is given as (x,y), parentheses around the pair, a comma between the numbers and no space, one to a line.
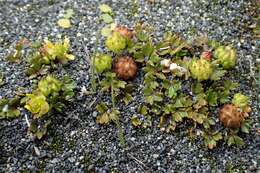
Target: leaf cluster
(9,108)
(16,55)
(49,54)
(107,16)
(106,115)
(50,94)
(174,95)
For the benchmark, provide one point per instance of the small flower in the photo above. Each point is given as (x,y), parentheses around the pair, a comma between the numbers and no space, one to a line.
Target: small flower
(240,100)
(116,42)
(201,69)
(103,63)
(226,56)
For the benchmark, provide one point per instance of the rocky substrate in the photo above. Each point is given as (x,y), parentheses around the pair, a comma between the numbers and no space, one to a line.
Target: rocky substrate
(75,143)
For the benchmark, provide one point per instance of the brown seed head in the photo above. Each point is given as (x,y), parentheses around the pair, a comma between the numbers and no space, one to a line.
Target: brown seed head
(230,116)
(125,68)
(124,31)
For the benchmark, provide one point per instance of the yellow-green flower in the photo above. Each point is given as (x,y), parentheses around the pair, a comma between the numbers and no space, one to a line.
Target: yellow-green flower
(48,85)
(226,56)
(103,63)
(240,100)
(201,69)
(37,104)
(116,42)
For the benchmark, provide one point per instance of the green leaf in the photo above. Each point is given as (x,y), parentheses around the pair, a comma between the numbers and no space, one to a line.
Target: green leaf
(157,97)
(217,136)
(103,119)
(68,13)
(231,141)
(147,91)
(212,144)
(114,115)
(106,31)
(106,18)
(172,93)
(127,98)
(37,105)
(119,84)
(142,36)
(143,110)
(197,88)
(212,97)
(224,99)
(245,126)
(64,23)
(239,141)
(217,74)
(178,116)
(148,49)
(229,85)
(178,104)
(102,107)
(135,121)
(105,8)
(161,76)
(9,108)
(49,85)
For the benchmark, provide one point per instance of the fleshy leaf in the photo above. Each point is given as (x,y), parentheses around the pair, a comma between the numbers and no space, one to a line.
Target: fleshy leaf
(106,18)
(64,23)
(105,8)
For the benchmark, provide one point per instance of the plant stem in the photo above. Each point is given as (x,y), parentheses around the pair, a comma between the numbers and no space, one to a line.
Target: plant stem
(120,130)
(120,133)
(93,79)
(112,96)
(93,71)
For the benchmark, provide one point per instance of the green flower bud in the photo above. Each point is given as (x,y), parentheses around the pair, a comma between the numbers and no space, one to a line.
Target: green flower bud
(226,56)
(116,42)
(49,85)
(240,100)
(103,63)
(201,69)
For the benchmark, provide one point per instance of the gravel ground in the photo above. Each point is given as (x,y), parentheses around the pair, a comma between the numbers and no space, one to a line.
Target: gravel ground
(75,143)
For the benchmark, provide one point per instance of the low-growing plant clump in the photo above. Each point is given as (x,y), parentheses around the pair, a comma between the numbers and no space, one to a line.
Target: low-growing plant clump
(51,94)
(183,81)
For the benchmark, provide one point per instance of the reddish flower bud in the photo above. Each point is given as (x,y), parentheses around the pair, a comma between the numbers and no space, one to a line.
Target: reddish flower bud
(207,55)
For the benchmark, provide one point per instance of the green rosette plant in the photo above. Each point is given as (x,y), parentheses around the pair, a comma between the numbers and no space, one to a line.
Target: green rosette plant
(36,103)
(226,56)
(116,42)
(240,100)
(103,63)
(49,85)
(201,69)
(57,51)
